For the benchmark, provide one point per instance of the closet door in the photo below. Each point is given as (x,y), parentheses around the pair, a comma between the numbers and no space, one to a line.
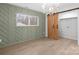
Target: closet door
(53,26)
(55,19)
(50,26)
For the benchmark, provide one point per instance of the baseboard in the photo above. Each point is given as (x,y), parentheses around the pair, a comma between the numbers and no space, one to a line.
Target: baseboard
(67,38)
(18,43)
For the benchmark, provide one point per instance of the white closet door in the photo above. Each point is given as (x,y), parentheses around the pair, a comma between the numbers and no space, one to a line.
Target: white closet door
(69,28)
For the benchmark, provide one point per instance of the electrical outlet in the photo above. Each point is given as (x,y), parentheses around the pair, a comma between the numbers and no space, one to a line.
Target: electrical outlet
(0,40)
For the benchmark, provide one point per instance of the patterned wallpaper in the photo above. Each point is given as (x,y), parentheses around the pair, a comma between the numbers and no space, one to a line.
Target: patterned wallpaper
(10,33)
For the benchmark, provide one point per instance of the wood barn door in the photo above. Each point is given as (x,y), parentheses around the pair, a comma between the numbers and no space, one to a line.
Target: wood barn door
(53,26)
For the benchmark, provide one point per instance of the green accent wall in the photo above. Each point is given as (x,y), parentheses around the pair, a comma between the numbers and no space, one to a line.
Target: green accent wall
(10,33)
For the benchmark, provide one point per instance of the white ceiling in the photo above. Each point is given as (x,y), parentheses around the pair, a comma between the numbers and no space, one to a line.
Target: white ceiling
(38,6)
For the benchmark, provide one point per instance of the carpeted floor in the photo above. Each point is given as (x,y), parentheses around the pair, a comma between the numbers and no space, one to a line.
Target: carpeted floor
(44,47)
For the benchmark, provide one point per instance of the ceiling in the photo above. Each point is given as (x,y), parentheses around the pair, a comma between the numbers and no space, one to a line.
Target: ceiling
(38,6)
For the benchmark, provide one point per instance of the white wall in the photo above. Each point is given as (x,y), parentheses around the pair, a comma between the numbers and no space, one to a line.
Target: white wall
(71,14)
(46,27)
(78,28)
(68,28)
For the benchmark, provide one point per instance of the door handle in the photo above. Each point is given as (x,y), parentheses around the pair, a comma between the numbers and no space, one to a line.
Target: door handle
(57,26)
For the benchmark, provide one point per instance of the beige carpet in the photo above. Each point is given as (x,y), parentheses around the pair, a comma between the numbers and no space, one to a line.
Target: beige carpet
(43,47)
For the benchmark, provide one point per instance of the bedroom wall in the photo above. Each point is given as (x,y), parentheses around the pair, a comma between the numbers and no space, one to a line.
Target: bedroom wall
(11,34)
(68,28)
(69,15)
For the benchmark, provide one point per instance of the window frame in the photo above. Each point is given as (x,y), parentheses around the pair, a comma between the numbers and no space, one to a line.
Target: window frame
(29,21)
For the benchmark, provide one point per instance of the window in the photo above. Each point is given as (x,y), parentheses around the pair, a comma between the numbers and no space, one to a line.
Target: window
(34,21)
(26,20)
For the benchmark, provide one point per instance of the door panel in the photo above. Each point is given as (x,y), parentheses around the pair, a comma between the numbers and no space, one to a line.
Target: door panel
(55,16)
(50,26)
(53,26)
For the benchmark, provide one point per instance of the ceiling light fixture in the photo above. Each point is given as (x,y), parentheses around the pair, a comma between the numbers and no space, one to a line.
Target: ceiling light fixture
(50,7)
